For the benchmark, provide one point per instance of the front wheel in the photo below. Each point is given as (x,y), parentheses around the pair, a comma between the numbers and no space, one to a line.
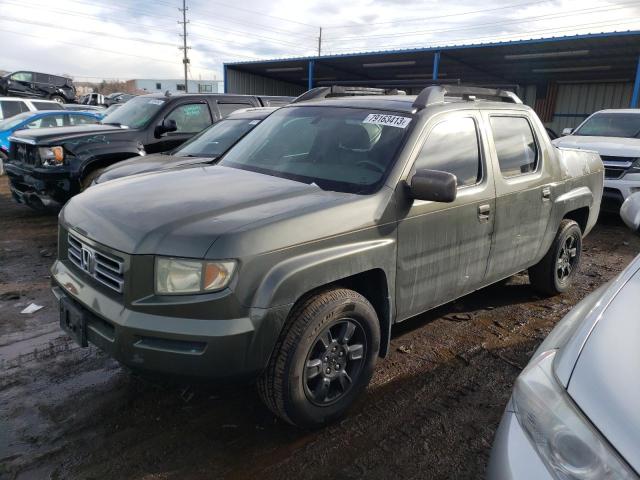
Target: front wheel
(323,360)
(554,274)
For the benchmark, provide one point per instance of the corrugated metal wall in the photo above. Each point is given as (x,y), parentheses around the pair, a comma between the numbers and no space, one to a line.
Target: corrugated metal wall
(250,84)
(577,101)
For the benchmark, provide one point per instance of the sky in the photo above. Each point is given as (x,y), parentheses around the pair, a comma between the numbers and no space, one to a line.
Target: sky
(92,40)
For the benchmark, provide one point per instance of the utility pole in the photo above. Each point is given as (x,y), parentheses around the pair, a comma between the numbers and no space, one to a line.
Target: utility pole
(320,42)
(185,58)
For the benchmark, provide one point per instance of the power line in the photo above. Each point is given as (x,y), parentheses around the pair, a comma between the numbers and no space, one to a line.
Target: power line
(491,24)
(462,41)
(430,18)
(255,12)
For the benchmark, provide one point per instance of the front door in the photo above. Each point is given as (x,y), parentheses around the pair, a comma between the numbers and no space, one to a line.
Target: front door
(190,118)
(443,248)
(524,186)
(20,84)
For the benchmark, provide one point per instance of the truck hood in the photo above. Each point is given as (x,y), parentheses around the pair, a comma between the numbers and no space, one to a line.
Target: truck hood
(48,136)
(610,146)
(182,212)
(149,163)
(605,383)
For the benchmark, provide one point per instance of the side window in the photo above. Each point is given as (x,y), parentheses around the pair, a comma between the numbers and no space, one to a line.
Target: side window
(9,108)
(47,106)
(227,108)
(81,120)
(191,118)
(22,77)
(452,146)
(47,122)
(515,145)
(41,78)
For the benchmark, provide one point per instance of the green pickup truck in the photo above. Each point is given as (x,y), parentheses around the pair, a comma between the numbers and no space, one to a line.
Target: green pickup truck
(337,217)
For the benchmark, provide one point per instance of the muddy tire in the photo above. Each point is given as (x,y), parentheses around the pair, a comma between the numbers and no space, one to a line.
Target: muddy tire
(555,272)
(323,360)
(89,178)
(58,99)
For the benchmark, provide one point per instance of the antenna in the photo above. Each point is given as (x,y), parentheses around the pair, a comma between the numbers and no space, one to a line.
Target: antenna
(185,58)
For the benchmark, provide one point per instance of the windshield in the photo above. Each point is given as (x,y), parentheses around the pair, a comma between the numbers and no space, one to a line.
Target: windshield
(136,113)
(14,121)
(623,125)
(217,139)
(341,149)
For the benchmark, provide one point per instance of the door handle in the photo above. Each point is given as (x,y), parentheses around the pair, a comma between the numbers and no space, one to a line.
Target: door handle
(483,212)
(546,193)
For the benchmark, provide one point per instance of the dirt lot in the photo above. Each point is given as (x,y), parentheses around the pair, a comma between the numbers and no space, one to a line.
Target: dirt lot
(430,412)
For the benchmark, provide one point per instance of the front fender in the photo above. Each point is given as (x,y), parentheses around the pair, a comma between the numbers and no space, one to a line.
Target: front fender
(290,279)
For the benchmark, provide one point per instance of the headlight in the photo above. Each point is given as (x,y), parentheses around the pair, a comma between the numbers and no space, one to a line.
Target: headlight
(569,445)
(635,167)
(51,156)
(177,275)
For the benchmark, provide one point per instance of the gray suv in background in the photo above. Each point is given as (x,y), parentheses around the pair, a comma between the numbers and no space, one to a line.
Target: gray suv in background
(289,261)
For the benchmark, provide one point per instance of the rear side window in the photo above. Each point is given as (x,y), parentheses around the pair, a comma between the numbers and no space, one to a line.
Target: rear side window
(191,118)
(51,121)
(47,106)
(515,145)
(81,120)
(227,108)
(452,146)
(10,108)
(41,78)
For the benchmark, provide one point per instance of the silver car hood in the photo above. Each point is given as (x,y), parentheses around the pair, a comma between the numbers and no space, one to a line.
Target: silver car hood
(605,383)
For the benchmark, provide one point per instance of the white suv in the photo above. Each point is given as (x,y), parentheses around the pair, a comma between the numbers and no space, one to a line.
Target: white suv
(10,106)
(615,135)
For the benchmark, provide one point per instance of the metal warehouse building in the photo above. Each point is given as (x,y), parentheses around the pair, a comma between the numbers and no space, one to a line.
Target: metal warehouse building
(564,79)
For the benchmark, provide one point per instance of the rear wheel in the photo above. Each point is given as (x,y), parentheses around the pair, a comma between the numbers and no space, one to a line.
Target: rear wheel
(554,274)
(324,358)
(57,99)
(3,158)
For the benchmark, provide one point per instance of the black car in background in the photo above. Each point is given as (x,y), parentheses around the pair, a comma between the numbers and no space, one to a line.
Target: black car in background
(117,98)
(205,148)
(38,85)
(46,169)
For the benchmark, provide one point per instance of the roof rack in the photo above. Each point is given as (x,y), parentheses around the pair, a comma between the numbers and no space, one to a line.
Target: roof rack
(435,95)
(342,91)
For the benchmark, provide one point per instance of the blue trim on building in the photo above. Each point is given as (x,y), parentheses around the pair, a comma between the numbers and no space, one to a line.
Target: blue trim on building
(436,65)
(531,41)
(636,87)
(310,67)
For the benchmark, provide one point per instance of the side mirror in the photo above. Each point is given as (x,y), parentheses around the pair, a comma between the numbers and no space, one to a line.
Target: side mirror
(630,212)
(167,125)
(434,185)
(567,131)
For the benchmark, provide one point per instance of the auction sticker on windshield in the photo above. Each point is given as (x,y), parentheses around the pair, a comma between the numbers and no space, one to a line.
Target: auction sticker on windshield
(155,102)
(388,120)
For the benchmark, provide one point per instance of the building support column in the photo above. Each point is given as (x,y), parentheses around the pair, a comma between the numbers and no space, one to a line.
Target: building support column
(436,65)
(310,74)
(636,88)
(224,79)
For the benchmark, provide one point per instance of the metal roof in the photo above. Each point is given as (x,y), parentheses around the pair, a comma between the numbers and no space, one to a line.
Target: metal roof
(611,56)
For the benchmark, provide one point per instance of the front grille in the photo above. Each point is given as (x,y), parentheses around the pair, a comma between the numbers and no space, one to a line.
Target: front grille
(23,153)
(614,173)
(106,269)
(615,167)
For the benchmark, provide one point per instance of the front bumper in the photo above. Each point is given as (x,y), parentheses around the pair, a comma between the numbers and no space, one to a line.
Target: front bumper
(617,191)
(46,189)
(512,456)
(229,349)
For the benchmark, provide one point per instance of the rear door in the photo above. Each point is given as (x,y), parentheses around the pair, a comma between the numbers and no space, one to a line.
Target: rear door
(443,248)
(523,193)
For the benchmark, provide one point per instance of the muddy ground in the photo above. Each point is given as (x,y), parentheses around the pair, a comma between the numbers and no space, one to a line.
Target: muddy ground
(430,412)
